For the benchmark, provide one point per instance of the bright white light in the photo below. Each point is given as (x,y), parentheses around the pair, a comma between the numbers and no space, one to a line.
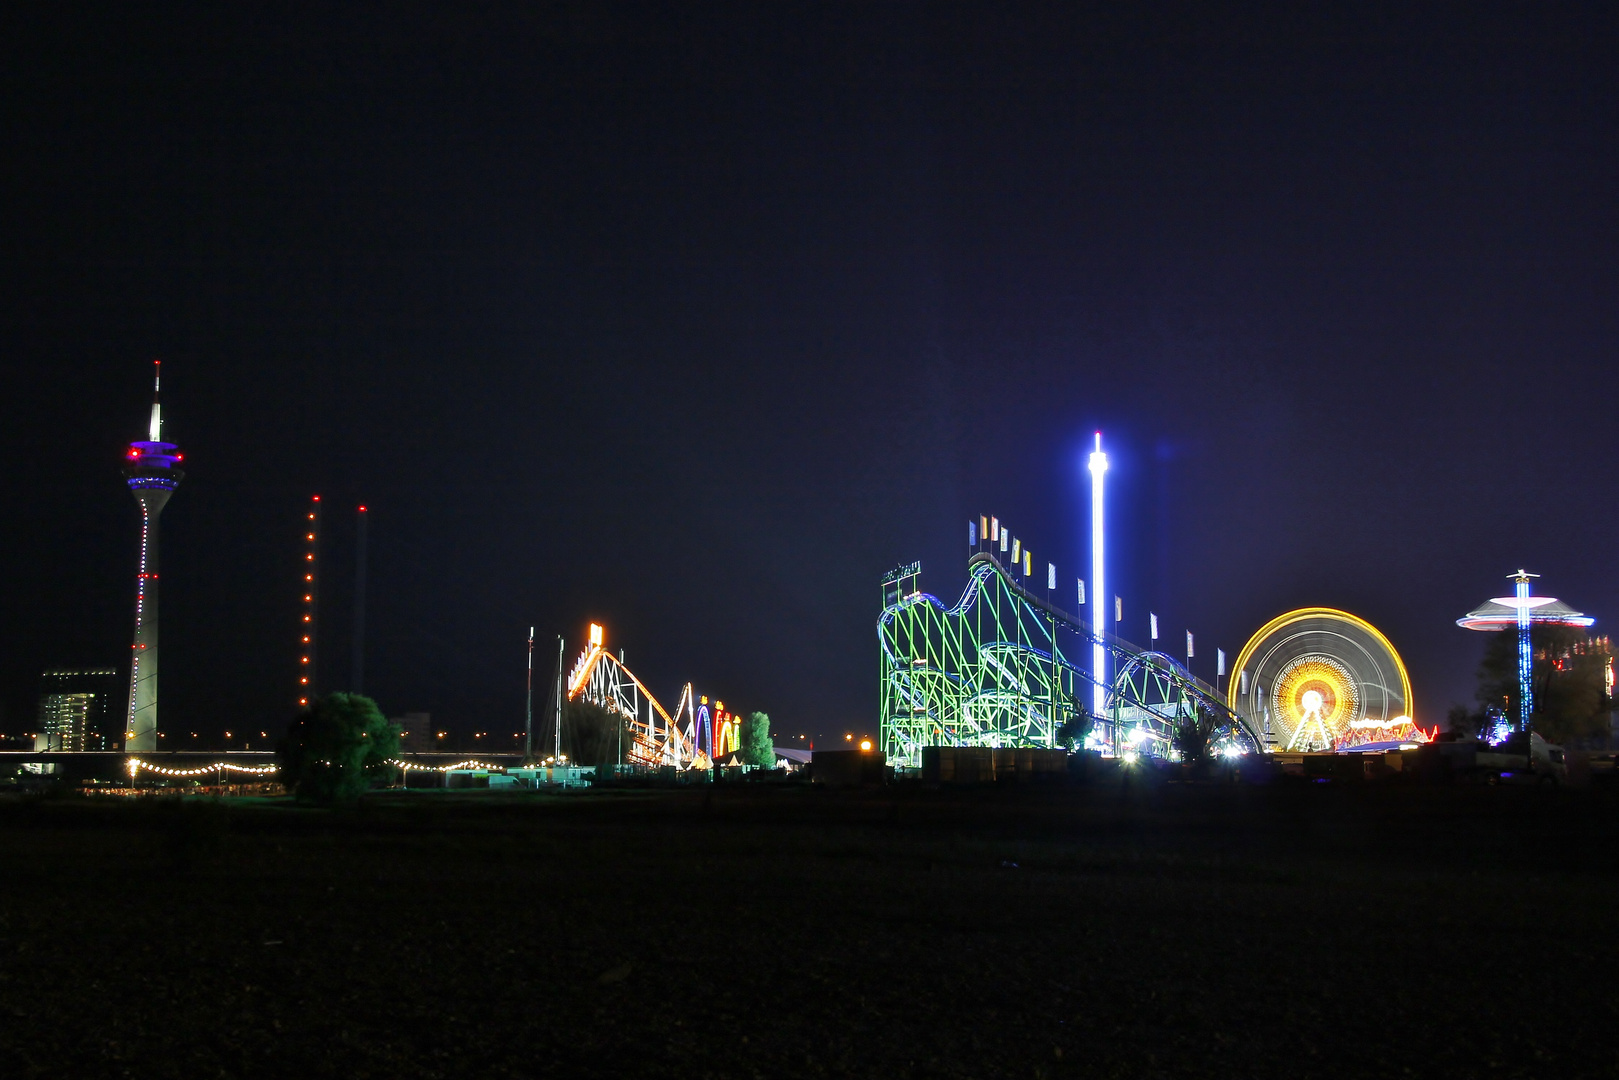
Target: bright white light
(1098,467)
(1136,737)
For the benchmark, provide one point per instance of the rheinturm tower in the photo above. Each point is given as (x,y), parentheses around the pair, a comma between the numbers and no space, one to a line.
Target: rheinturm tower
(150,467)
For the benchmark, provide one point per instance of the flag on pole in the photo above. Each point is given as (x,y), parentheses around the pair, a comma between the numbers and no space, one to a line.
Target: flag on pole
(1154,619)
(983,527)
(972,534)
(1118,609)
(1006,538)
(1017,551)
(1051,575)
(1081,592)
(1028,560)
(1219,663)
(1188,644)
(994,529)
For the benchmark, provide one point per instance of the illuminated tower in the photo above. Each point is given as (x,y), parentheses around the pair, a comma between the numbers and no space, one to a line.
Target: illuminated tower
(311,595)
(150,469)
(1518,612)
(1098,581)
(1526,656)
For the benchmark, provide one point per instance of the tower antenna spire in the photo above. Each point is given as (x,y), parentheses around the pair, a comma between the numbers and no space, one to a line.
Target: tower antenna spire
(155,432)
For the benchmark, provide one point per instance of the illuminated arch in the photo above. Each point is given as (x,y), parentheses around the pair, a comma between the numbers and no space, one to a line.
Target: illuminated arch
(1337,620)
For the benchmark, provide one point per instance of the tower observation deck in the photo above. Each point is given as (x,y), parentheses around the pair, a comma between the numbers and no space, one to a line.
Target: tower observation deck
(151,468)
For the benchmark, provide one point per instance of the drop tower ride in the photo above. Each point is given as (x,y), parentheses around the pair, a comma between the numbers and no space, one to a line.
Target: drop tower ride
(150,468)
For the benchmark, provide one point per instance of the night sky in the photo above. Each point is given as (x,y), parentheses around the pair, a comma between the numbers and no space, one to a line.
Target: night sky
(695,320)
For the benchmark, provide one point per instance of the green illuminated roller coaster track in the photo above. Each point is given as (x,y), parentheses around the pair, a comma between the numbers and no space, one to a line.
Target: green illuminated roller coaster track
(995,670)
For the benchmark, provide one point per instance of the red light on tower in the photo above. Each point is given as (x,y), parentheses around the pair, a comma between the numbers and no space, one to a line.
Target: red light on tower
(308,638)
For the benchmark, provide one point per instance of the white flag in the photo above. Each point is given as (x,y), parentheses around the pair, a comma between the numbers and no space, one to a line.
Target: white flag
(1219,663)
(1188,644)
(994,529)
(1081,592)
(1118,609)
(1006,538)
(1154,619)
(1051,575)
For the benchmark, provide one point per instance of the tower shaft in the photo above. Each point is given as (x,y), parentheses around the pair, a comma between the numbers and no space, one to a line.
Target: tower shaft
(1526,656)
(140,729)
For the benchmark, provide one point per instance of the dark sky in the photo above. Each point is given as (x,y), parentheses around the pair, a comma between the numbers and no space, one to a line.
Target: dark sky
(696,319)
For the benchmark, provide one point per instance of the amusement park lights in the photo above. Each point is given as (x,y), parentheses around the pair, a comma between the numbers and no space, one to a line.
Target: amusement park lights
(1098,468)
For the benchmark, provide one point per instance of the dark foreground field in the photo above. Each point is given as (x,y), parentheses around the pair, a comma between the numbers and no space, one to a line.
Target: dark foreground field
(1168,931)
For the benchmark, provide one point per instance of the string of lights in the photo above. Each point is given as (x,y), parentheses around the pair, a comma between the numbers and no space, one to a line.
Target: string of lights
(408,766)
(135,765)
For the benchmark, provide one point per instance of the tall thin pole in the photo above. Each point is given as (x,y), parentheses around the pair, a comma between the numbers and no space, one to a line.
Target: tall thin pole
(528,705)
(557,748)
(357,664)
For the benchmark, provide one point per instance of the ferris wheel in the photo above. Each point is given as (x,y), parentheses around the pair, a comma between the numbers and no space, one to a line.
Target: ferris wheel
(1321,679)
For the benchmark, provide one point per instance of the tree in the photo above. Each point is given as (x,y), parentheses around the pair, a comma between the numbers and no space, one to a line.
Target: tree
(1569,679)
(757,749)
(592,735)
(1463,721)
(335,748)
(1072,731)
(1192,733)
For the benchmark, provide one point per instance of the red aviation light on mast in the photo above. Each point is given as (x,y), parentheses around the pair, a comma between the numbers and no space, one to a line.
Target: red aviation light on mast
(308,637)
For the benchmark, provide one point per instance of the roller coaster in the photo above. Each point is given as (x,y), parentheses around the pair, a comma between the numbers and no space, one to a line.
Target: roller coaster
(692,736)
(1006,667)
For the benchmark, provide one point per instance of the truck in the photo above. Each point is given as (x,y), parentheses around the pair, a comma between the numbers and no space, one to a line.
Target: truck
(1504,762)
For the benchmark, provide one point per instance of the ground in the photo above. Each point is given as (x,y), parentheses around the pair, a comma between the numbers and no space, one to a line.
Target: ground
(1159,930)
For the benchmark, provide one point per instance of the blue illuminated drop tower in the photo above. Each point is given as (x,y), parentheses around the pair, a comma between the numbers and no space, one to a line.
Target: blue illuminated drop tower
(150,468)
(1526,656)
(1519,612)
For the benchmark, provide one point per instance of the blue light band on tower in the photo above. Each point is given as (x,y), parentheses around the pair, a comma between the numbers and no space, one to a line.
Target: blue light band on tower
(1098,467)
(150,468)
(1526,686)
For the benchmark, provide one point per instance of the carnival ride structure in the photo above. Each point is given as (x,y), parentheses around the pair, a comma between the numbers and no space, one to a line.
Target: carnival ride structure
(1318,679)
(693,735)
(1005,667)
